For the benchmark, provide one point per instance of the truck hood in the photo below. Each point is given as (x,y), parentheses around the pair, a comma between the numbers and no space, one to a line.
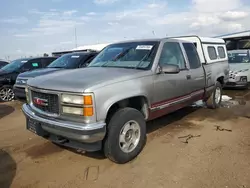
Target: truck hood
(85,79)
(239,66)
(38,72)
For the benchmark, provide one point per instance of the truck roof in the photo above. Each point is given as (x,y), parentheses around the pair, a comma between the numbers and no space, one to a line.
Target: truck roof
(177,38)
(213,40)
(147,40)
(201,39)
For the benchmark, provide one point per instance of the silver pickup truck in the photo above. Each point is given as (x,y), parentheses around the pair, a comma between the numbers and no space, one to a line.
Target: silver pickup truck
(106,105)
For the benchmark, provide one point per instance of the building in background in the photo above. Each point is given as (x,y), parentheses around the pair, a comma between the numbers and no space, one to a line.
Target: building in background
(239,40)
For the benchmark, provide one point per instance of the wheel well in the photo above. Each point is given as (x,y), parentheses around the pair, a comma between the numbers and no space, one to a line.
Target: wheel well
(140,103)
(221,80)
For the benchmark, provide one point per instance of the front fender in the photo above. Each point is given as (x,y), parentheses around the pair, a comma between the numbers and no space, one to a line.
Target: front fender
(109,95)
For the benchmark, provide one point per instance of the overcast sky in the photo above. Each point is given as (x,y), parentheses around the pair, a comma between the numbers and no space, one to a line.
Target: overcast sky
(31,27)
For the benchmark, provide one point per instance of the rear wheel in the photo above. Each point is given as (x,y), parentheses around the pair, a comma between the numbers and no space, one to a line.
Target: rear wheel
(214,100)
(126,135)
(6,93)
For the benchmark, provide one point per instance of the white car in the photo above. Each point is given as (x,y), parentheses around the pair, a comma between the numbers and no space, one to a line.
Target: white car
(239,63)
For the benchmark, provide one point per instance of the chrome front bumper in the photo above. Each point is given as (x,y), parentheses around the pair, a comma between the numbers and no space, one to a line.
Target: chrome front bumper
(84,133)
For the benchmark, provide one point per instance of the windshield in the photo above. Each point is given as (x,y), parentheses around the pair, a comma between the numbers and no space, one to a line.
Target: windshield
(238,58)
(68,61)
(14,65)
(138,55)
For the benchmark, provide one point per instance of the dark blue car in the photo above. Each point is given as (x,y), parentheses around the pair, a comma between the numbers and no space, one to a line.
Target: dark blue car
(66,61)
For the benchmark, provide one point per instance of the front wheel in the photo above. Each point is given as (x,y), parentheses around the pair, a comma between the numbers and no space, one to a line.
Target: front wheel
(6,93)
(214,100)
(126,135)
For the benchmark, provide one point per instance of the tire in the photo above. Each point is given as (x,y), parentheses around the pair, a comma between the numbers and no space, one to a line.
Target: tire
(212,102)
(7,93)
(123,118)
(247,86)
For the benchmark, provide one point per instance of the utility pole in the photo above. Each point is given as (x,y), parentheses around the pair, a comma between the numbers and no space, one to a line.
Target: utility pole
(75,38)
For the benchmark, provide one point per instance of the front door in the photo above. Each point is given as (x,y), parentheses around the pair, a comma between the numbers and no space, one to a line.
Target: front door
(171,91)
(196,72)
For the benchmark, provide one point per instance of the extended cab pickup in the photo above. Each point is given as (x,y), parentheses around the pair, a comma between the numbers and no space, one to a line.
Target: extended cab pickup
(106,105)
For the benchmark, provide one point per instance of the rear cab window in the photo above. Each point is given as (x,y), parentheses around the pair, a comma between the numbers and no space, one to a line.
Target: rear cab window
(192,55)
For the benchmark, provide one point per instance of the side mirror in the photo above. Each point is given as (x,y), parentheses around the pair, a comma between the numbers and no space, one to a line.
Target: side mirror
(170,69)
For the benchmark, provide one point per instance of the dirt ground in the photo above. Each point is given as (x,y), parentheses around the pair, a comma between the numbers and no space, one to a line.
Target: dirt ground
(214,157)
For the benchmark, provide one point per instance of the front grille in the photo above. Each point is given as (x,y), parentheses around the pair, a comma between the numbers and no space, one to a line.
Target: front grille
(52,104)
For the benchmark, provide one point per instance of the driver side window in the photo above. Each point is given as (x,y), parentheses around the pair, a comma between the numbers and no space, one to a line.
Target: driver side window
(172,54)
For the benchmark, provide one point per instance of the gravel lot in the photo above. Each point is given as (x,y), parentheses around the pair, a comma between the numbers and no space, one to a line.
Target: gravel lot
(214,157)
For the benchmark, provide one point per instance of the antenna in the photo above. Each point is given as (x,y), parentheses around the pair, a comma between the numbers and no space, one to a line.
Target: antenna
(75,38)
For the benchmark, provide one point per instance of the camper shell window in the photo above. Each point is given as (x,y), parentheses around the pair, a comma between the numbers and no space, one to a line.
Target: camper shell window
(212,52)
(221,52)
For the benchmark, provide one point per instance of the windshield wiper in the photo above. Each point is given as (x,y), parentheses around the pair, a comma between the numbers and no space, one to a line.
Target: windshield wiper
(122,54)
(146,56)
(117,57)
(106,63)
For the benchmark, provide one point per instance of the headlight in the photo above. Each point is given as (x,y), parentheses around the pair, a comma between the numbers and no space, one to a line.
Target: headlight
(21,81)
(77,99)
(72,99)
(86,111)
(72,110)
(77,104)
(243,78)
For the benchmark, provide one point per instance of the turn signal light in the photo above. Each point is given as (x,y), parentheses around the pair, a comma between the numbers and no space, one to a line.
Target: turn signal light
(87,100)
(88,111)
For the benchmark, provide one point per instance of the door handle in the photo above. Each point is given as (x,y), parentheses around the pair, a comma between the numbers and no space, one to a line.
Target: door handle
(188,77)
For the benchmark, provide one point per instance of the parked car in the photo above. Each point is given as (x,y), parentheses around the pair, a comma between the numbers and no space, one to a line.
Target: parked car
(239,63)
(65,62)
(3,63)
(106,105)
(9,73)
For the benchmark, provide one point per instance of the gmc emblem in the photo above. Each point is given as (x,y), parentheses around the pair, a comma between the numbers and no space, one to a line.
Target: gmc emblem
(41,102)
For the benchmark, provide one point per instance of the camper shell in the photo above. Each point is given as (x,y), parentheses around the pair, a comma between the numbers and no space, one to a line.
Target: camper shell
(211,51)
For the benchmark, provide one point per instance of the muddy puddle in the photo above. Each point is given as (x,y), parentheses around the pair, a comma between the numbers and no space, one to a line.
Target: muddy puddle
(230,99)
